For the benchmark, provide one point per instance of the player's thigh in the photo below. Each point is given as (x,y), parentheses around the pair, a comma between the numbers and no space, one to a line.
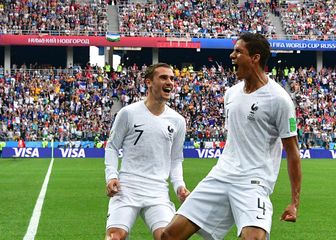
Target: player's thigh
(121,214)
(209,208)
(158,215)
(251,207)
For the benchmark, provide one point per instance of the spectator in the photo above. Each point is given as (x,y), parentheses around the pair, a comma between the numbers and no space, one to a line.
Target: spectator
(44,143)
(2,145)
(21,143)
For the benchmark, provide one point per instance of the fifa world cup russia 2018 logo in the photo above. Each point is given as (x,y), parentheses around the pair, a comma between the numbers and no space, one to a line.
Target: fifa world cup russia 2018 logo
(254,108)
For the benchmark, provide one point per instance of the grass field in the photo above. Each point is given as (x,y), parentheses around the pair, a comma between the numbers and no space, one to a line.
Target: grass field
(75,204)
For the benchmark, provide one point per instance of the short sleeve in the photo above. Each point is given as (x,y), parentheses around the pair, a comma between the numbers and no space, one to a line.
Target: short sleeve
(285,118)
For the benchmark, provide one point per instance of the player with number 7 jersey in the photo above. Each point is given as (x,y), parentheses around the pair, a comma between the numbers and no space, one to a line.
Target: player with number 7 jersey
(150,143)
(151,135)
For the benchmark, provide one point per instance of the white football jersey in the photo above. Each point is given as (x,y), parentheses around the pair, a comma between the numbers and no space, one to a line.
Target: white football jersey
(255,122)
(151,144)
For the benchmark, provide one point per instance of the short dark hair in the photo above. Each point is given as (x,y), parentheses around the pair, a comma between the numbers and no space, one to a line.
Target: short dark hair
(257,44)
(151,69)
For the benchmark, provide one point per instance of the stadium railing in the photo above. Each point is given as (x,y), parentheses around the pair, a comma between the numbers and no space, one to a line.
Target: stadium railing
(42,33)
(177,35)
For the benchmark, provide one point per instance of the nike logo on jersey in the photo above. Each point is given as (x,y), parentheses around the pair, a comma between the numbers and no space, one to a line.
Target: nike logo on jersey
(228,103)
(260,217)
(138,125)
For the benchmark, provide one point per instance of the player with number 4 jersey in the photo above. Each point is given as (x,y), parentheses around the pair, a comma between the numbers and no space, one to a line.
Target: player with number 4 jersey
(260,120)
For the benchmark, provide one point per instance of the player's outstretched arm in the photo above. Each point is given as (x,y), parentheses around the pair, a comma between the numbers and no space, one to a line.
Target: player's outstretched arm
(295,177)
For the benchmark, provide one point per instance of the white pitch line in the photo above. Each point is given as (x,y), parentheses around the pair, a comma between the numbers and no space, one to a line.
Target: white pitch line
(35,218)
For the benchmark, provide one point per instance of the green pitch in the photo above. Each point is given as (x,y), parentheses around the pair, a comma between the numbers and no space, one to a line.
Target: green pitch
(75,204)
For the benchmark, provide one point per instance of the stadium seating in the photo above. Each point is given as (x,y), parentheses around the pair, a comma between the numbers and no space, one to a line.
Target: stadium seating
(37,103)
(53,17)
(187,18)
(309,20)
(211,19)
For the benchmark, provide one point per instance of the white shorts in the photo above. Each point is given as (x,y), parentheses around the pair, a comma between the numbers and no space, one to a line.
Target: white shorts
(215,206)
(124,209)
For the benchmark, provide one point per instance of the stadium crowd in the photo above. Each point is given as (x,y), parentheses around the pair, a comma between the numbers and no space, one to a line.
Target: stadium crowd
(76,103)
(315,95)
(192,18)
(54,17)
(314,20)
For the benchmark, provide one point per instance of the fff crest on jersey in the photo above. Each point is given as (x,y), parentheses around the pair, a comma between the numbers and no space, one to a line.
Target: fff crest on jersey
(170,132)
(254,109)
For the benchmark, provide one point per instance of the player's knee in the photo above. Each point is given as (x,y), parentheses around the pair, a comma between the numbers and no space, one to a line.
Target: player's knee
(113,234)
(252,238)
(114,237)
(253,233)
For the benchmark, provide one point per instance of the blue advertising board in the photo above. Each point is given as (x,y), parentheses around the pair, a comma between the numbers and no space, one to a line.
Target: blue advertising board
(307,45)
(99,153)
(215,153)
(58,152)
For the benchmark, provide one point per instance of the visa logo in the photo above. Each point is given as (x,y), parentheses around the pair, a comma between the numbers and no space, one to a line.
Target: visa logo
(75,153)
(26,152)
(304,153)
(209,153)
(333,153)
